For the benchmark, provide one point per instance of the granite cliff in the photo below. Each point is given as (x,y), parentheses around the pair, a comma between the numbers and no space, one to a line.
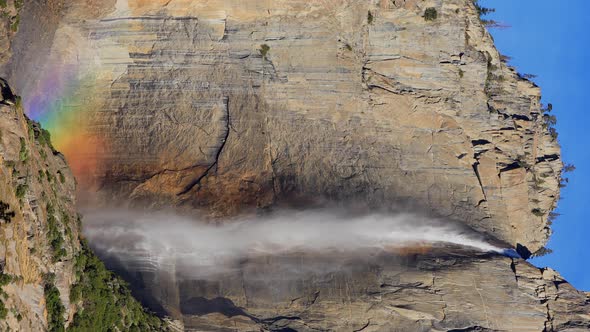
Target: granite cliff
(49,278)
(221,107)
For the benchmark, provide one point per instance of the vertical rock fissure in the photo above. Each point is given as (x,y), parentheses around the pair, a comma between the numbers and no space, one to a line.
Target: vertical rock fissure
(215,163)
(364,326)
(479,179)
(549,321)
(513,268)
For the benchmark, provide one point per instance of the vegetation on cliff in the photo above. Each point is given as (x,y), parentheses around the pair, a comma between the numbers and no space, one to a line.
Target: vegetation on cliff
(55,309)
(105,301)
(39,226)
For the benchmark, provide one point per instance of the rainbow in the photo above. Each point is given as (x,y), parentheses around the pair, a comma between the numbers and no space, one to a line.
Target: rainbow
(63,101)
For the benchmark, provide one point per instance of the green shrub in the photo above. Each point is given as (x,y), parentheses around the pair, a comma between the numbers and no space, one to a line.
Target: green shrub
(14,25)
(30,125)
(55,309)
(37,132)
(481,11)
(75,293)
(3,311)
(550,120)
(430,14)
(62,178)
(370,17)
(537,212)
(542,252)
(43,154)
(264,50)
(107,302)
(553,133)
(24,152)
(527,77)
(45,138)
(21,190)
(547,109)
(54,236)
(5,279)
(569,168)
(551,218)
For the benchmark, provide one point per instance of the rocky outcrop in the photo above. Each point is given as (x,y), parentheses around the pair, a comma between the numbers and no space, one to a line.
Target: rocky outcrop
(36,186)
(49,279)
(9,22)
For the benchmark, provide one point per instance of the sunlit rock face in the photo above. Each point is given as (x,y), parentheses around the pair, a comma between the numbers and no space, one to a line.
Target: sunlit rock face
(221,105)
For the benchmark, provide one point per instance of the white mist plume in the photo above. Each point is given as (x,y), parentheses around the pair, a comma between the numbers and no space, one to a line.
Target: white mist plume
(154,241)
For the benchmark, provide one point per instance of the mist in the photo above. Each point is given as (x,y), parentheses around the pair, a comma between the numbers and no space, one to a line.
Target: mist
(158,241)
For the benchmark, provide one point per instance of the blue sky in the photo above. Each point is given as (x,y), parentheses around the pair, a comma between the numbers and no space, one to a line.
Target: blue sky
(551,39)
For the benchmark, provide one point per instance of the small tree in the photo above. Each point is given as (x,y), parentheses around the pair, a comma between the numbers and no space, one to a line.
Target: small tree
(430,14)
(542,252)
(481,11)
(494,24)
(505,58)
(527,76)
(569,168)
(24,152)
(21,190)
(264,50)
(547,109)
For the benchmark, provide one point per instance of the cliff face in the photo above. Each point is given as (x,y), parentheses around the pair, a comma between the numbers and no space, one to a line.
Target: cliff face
(227,105)
(223,105)
(10,11)
(451,291)
(36,186)
(49,278)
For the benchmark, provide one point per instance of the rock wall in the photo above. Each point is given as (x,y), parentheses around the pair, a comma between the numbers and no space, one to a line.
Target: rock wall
(35,184)
(42,260)
(223,105)
(10,12)
(451,290)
